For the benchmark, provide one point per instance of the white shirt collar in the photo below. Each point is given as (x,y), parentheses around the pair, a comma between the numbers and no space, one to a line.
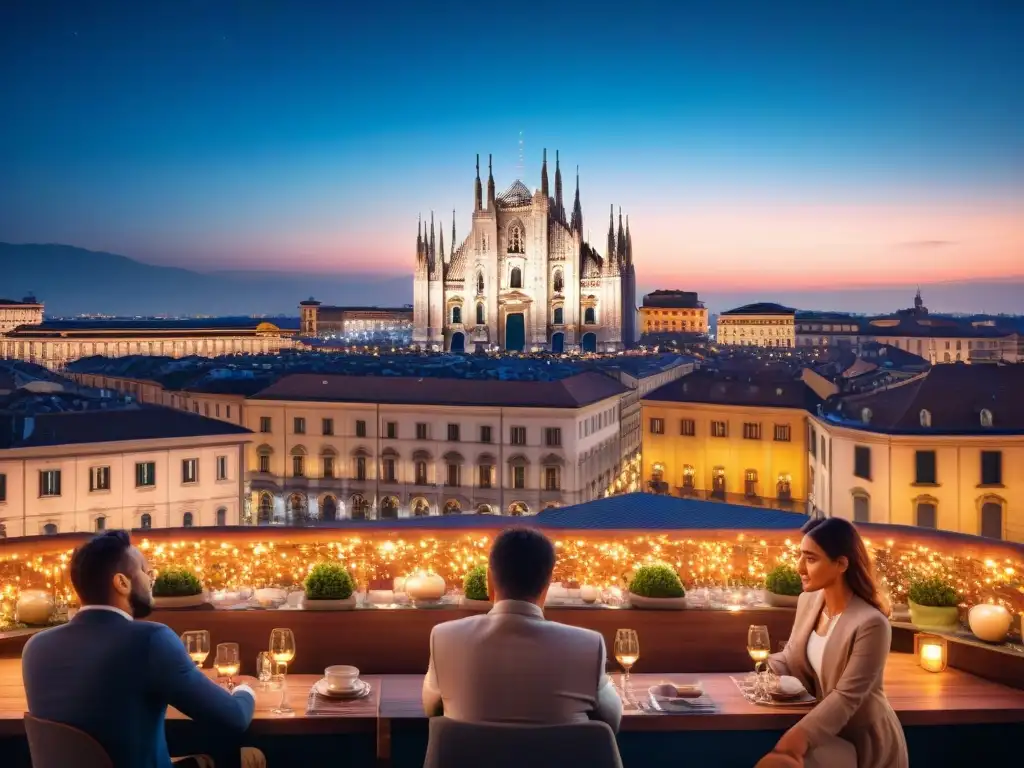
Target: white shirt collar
(110,608)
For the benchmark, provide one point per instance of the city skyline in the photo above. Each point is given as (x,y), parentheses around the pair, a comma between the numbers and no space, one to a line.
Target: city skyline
(802,149)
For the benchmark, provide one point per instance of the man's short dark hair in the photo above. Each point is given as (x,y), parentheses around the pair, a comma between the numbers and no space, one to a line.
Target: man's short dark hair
(521,562)
(94,564)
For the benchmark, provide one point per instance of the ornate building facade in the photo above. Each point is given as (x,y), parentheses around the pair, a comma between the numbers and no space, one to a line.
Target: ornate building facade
(524,278)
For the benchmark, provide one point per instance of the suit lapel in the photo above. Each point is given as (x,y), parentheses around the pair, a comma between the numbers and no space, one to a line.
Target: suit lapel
(800,666)
(833,660)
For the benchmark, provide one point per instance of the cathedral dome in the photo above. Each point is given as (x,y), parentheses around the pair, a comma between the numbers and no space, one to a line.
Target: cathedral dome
(515,196)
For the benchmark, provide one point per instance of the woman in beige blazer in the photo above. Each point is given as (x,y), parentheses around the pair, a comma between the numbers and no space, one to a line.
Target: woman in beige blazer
(838,649)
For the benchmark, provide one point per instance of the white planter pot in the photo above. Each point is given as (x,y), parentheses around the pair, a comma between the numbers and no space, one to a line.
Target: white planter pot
(329,605)
(475,605)
(657,603)
(188,601)
(780,601)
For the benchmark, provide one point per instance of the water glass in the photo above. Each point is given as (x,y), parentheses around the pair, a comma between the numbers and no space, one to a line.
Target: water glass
(282,652)
(197,645)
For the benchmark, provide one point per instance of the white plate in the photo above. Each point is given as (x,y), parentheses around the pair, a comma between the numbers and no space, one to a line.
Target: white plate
(357,692)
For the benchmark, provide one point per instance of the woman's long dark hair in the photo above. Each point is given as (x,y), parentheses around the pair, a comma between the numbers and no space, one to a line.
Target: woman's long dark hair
(838,538)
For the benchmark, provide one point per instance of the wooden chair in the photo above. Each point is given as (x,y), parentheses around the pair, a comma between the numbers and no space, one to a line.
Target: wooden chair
(55,745)
(455,744)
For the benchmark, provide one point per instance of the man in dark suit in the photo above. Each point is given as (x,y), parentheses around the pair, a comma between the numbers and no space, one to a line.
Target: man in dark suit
(113,677)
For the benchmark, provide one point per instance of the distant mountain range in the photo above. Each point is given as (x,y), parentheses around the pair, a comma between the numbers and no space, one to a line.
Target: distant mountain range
(72,281)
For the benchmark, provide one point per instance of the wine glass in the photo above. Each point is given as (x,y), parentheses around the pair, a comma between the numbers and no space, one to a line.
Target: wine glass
(264,669)
(227,662)
(759,646)
(197,645)
(627,650)
(282,652)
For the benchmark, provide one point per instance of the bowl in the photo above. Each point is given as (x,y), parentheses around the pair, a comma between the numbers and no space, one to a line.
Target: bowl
(341,678)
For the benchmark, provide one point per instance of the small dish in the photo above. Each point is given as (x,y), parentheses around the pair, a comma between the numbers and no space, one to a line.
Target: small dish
(357,692)
(676,698)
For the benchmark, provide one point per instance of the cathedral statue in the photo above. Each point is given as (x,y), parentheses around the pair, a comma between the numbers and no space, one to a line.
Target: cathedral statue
(524,279)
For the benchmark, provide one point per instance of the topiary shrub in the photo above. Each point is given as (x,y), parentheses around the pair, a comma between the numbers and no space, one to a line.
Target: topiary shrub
(177,582)
(475,584)
(329,581)
(934,592)
(656,581)
(784,580)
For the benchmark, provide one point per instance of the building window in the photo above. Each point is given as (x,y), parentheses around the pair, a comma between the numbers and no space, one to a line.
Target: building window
(222,516)
(3,488)
(812,440)
(298,466)
(389,508)
(265,424)
(485,434)
(782,433)
(186,520)
(657,426)
(861,508)
(552,437)
(146,521)
(360,506)
(327,427)
(751,430)
(453,433)
(328,466)
(559,318)
(718,482)
(49,482)
(391,430)
(479,282)
(456,315)
(420,473)
(551,479)
(750,482)
(862,461)
(360,428)
(558,283)
(486,475)
(421,431)
(687,427)
(228,414)
(515,240)
(924,465)
(101,523)
(991,467)
(50,529)
(784,488)
(222,467)
(480,314)
(589,316)
(719,429)
(518,436)
(300,425)
(519,476)
(992,519)
(206,409)
(99,479)
(264,462)
(926,514)
(145,474)
(516,278)
(688,473)
(824,453)
(453,478)
(360,467)
(265,509)
(389,471)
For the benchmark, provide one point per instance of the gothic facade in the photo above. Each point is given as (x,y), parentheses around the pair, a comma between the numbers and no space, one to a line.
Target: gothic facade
(524,278)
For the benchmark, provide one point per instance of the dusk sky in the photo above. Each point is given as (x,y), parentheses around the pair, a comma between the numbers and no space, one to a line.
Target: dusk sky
(753,144)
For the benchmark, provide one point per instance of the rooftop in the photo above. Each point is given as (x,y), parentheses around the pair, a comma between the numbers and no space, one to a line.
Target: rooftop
(516,195)
(671,299)
(760,390)
(124,328)
(761,308)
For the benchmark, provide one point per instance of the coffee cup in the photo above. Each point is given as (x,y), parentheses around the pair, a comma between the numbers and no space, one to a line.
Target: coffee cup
(341,678)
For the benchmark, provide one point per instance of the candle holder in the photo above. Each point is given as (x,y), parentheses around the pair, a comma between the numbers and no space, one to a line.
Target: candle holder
(931,652)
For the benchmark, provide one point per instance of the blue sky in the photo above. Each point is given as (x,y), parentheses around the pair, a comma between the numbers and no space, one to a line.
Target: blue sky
(310,135)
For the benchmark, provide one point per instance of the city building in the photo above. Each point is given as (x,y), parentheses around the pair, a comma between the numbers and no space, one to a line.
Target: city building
(758,325)
(75,460)
(732,438)
(524,278)
(940,450)
(28,311)
(674,313)
(327,321)
(55,343)
(827,329)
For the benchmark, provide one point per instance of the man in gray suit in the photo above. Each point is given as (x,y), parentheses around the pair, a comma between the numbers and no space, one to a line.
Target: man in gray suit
(112,676)
(511,665)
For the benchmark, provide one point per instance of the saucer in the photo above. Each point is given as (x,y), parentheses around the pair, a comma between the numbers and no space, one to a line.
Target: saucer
(356,692)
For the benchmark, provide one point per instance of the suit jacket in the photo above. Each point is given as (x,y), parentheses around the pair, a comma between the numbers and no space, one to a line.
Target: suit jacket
(513,666)
(113,678)
(851,704)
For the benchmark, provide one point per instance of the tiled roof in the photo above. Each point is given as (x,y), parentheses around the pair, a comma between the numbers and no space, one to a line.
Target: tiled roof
(933,328)
(108,425)
(516,195)
(954,396)
(673,300)
(761,308)
(570,392)
(764,391)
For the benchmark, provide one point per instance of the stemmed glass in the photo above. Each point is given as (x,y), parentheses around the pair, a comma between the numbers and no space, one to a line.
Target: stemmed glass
(627,650)
(282,652)
(227,662)
(759,646)
(197,645)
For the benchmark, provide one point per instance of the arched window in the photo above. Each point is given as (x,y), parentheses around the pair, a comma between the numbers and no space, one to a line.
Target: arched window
(297,508)
(265,509)
(515,239)
(558,283)
(479,282)
(329,509)
(518,509)
(516,278)
(484,509)
(420,508)
(146,521)
(101,523)
(479,314)
(784,488)
(50,529)
(718,482)
(926,513)
(222,516)
(360,506)
(559,316)
(389,507)
(992,519)
(452,507)
(456,315)
(186,520)
(589,316)
(861,508)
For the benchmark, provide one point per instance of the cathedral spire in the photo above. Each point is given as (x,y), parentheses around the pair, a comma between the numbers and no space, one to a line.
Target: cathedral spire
(544,174)
(577,210)
(433,249)
(558,190)
(477,189)
(610,256)
(629,243)
(453,231)
(620,246)
(419,236)
(440,238)
(490,184)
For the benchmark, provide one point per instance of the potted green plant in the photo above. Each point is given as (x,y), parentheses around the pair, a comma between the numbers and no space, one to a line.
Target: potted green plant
(329,587)
(177,587)
(658,587)
(934,603)
(474,588)
(782,586)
